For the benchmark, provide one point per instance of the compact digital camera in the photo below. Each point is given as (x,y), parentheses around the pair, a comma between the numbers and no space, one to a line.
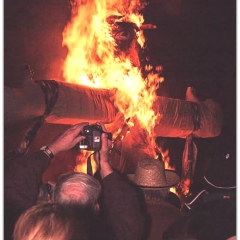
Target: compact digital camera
(92,142)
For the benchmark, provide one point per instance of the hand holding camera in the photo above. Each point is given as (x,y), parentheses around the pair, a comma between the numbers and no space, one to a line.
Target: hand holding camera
(91,138)
(67,139)
(92,141)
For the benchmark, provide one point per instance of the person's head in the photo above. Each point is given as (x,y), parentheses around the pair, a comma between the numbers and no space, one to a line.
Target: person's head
(77,189)
(51,221)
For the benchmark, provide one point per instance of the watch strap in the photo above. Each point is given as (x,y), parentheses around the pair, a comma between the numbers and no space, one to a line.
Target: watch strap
(47,151)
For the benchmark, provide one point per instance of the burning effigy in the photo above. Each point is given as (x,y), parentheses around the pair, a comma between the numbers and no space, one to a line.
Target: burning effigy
(105,80)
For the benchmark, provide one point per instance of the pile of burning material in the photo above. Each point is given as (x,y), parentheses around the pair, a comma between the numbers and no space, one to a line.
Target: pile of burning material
(104,82)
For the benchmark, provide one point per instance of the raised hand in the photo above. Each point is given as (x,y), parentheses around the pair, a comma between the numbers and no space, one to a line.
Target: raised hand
(67,139)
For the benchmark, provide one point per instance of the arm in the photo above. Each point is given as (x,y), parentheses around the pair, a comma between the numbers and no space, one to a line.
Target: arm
(120,199)
(122,208)
(23,177)
(21,184)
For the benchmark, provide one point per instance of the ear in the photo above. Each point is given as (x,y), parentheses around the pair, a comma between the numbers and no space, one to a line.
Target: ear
(96,208)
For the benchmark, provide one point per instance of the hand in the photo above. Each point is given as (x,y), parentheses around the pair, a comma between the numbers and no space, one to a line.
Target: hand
(68,139)
(102,158)
(106,143)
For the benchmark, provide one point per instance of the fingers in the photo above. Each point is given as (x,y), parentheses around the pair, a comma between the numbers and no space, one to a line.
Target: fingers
(74,132)
(80,124)
(78,140)
(104,138)
(77,128)
(102,125)
(68,139)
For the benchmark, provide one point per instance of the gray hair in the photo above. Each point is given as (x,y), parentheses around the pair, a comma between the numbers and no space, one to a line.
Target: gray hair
(77,188)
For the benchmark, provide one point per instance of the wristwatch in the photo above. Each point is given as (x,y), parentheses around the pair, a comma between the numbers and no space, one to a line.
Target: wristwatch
(47,151)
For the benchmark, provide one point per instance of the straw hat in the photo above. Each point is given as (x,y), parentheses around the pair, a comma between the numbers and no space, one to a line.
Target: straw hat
(150,174)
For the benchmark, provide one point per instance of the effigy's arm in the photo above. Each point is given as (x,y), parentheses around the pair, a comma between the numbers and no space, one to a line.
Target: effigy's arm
(71,103)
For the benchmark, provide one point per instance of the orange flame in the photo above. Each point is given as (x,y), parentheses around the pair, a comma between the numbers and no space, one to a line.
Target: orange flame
(81,164)
(166,161)
(185,185)
(94,58)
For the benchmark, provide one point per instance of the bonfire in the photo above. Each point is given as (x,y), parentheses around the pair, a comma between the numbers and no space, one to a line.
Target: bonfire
(107,80)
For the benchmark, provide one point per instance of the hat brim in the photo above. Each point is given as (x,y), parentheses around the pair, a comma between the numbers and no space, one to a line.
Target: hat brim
(172,179)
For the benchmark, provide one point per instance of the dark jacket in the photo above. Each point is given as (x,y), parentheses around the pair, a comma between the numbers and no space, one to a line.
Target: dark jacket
(120,208)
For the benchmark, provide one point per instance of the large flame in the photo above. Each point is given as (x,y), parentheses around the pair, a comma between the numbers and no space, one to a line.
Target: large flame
(92,58)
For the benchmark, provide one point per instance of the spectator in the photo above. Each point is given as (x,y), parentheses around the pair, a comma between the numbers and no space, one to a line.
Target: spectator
(51,221)
(211,213)
(120,207)
(77,188)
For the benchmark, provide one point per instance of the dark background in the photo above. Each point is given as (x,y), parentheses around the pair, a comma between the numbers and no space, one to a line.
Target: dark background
(195,42)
